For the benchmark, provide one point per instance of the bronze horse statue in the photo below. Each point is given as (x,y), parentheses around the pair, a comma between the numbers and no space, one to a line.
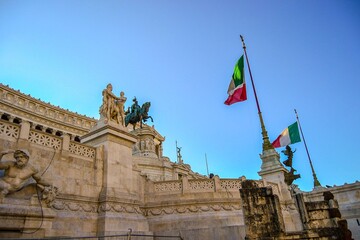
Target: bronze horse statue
(138,115)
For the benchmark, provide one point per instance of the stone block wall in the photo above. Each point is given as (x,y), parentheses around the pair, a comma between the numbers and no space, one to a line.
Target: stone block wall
(348,198)
(70,166)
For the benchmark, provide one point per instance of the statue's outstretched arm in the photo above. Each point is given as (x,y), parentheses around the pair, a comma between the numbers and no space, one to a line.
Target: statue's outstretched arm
(5,152)
(5,165)
(39,180)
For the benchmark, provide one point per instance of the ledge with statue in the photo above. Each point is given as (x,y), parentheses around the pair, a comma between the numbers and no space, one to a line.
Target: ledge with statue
(119,179)
(112,111)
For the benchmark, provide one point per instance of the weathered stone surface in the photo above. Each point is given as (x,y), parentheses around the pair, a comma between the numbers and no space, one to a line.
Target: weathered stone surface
(262,212)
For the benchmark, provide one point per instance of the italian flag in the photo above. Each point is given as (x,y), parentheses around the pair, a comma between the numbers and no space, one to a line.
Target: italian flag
(289,136)
(237,87)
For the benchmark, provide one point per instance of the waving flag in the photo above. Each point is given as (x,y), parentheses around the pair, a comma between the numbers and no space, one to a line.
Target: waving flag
(289,136)
(237,87)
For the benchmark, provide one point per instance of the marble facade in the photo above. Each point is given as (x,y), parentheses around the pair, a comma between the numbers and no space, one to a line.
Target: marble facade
(111,178)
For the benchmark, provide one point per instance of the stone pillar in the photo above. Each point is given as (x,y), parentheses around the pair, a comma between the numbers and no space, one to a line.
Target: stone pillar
(273,173)
(217,183)
(24,135)
(185,184)
(118,201)
(24,130)
(65,145)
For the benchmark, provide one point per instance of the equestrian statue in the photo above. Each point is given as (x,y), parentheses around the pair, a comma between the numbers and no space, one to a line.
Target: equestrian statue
(136,114)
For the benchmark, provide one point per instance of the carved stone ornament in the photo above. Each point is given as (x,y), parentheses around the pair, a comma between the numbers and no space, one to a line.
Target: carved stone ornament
(20,173)
(112,108)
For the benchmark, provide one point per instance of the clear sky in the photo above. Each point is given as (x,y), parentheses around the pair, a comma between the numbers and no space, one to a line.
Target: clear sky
(180,55)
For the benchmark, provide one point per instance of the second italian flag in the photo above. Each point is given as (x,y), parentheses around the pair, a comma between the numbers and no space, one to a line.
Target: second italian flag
(289,136)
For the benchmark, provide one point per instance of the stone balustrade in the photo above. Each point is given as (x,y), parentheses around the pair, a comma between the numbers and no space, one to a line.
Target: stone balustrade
(23,131)
(198,185)
(9,130)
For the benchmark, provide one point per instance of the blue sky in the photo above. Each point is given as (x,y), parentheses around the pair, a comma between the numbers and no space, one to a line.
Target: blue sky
(180,56)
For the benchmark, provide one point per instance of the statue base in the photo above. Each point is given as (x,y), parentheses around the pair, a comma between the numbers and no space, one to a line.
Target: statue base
(106,122)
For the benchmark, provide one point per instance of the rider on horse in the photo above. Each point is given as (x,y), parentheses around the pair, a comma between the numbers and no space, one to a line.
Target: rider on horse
(137,113)
(135,108)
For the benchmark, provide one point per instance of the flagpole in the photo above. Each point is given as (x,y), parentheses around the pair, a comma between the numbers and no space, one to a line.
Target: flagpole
(266,143)
(316,181)
(207,167)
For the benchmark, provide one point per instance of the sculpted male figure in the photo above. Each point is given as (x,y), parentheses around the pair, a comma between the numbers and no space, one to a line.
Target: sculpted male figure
(120,109)
(18,173)
(135,107)
(108,102)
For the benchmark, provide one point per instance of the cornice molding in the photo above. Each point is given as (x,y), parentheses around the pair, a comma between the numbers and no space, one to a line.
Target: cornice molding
(31,109)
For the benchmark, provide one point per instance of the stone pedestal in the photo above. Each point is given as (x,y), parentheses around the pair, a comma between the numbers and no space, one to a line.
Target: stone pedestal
(148,144)
(22,215)
(272,171)
(273,174)
(119,199)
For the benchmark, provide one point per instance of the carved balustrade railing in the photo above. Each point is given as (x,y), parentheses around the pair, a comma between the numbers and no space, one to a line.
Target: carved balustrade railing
(45,139)
(9,130)
(82,150)
(231,184)
(168,186)
(199,185)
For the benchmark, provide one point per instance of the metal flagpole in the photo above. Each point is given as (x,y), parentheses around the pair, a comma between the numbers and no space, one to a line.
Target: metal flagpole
(266,143)
(207,168)
(316,181)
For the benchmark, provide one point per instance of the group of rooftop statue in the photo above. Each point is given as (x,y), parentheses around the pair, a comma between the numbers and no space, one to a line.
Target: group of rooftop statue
(18,174)
(113,109)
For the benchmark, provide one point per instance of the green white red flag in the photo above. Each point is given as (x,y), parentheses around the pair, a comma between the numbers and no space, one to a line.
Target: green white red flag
(237,87)
(289,136)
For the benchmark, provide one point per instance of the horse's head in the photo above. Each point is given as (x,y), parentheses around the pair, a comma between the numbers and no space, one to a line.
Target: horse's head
(146,106)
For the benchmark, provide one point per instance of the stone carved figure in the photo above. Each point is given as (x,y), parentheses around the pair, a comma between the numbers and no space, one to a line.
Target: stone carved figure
(178,153)
(118,112)
(19,172)
(289,153)
(112,107)
(137,114)
(290,176)
(135,107)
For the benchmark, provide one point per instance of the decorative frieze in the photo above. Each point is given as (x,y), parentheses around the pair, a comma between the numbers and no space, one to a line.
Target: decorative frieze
(75,206)
(119,207)
(89,207)
(156,211)
(95,207)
